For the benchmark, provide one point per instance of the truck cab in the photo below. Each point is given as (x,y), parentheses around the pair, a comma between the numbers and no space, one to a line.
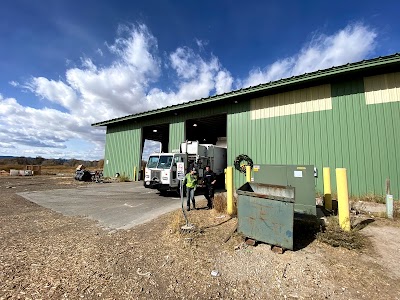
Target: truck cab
(161,172)
(161,168)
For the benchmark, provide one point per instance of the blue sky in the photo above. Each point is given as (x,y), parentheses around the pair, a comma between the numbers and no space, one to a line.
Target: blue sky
(66,64)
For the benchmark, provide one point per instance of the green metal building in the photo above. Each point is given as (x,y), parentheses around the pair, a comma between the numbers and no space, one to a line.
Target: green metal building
(342,117)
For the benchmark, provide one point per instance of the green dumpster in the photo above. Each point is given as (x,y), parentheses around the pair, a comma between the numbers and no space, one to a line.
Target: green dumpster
(266,213)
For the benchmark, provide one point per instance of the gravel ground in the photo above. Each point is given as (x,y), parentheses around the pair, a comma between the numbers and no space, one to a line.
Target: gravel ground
(45,255)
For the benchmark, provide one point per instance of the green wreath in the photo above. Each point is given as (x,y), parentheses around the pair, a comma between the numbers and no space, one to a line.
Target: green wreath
(241,162)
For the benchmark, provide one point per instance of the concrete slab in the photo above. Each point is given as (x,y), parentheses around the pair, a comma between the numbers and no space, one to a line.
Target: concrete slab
(113,205)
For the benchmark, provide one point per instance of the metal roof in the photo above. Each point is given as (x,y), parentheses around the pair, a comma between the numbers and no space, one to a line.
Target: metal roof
(285,82)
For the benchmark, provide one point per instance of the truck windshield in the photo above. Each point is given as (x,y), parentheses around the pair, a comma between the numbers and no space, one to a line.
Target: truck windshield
(153,161)
(164,162)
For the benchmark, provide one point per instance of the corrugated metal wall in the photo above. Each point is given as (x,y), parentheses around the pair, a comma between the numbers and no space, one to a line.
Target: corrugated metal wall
(123,149)
(336,127)
(353,124)
(383,111)
(275,133)
(176,135)
(240,137)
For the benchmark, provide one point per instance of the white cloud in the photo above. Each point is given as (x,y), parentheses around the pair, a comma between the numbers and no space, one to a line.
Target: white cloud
(185,63)
(88,64)
(128,85)
(100,52)
(223,82)
(14,83)
(198,77)
(201,44)
(350,44)
(138,50)
(55,91)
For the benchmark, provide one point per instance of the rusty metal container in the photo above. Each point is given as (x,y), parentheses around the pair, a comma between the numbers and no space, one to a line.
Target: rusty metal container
(266,213)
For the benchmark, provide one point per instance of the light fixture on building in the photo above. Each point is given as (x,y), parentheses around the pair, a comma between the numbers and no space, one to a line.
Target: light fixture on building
(194,125)
(154,130)
(236,102)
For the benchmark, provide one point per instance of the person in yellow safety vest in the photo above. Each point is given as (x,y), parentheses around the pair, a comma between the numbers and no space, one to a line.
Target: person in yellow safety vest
(191,184)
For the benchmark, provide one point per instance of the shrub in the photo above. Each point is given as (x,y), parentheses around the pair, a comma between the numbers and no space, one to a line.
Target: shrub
(123,178)
(334,235)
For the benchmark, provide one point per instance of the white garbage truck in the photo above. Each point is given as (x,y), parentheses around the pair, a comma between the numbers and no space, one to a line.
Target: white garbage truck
(161,168)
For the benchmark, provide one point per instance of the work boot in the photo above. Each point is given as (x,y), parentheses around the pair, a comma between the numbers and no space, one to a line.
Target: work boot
(188,208)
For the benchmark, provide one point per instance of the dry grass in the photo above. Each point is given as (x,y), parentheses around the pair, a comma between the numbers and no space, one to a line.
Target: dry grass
(7,168)
(123,178)
(54,170)
(45,170)
(396,209)
(369,198)
(177,220)
(333,235)
(220,204)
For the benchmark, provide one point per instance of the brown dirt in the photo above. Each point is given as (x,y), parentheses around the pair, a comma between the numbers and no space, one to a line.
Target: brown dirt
(45,255)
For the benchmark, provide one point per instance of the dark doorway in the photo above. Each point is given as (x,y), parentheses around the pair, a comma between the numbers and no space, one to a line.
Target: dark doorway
(206,130)
(158,133)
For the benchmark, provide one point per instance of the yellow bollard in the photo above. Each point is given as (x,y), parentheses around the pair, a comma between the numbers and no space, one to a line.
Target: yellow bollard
(327,188)
(229,190)
(225,177)
(248,174)
(343,199)
(134,173)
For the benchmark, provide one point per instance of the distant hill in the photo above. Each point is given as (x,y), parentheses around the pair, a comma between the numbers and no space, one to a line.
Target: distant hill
(18,160)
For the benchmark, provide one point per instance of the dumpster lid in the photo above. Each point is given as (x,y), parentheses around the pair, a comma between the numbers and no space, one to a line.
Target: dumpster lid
(267,191)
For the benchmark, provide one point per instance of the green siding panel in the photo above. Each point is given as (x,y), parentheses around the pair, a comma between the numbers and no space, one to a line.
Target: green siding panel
(176,135)
(367,139)
(361,138)
(351,134)
(123,149)
(239,139)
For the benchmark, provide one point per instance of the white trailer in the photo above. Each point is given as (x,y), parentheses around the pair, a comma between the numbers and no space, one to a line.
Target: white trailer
(161,168)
